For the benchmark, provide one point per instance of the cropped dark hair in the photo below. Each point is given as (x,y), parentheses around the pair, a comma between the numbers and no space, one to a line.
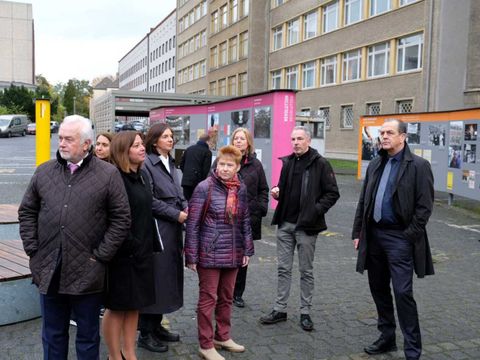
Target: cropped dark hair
(230,151)
(153,135)
(402,127)
(120,147)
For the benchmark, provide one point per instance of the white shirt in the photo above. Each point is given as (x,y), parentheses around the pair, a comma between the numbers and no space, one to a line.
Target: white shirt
(165,161)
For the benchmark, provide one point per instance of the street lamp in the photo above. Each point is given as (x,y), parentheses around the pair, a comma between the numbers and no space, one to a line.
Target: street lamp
(74,110)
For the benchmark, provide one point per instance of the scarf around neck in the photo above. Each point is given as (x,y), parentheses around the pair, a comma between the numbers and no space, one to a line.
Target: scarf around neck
(231,206)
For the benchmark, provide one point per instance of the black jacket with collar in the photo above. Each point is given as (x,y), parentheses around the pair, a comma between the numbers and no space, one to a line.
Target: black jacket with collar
(412,200)
(318,194)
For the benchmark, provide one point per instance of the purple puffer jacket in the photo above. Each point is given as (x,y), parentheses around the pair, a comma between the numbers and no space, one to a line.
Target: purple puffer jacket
(209,241)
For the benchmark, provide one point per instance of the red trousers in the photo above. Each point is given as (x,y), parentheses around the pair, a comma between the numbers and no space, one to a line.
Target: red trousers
(215,294)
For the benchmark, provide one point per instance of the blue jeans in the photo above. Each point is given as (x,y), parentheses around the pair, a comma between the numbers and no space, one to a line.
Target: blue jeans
(56,311)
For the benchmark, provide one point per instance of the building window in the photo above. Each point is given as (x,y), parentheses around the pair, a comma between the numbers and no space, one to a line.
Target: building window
(308,75)
(330,17)
(222,87)
(232,50)
(232,86)
(352,64)
(378,60)
(244,7)
(409,53)
(353,11)
(197,41)
(278,37)
(310,25)
(406,2)
(212,89)
(346,120)
(204,38)
(224,16)
(324,114)
(242,84)
(329,71)
(404,106)
(292,77)
(196,70)
(233,11)
(277,79)
(373,108)
(223,53)
(379,6)
(293,31)
(278,2)
(244,44)
(214,22)
(213,57)
(203,68)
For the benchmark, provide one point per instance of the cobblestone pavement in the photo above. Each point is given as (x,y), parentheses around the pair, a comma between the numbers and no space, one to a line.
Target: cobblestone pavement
(343,310)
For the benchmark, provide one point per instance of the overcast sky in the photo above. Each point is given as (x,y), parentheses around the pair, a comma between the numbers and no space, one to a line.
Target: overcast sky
(86,39)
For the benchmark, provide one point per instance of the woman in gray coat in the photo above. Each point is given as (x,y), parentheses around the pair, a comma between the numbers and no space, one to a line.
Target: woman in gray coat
(170,211)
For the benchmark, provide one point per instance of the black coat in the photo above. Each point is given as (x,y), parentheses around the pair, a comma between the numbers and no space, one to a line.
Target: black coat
(253,176)
(168,201)
(318,194)
(412,201)
(130,273)
(195,164)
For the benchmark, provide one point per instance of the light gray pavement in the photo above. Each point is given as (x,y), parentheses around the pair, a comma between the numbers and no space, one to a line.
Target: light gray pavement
(343,311)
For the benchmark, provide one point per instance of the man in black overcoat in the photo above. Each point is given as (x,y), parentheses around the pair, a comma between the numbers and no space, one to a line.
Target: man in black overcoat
(195,165)
(389,233)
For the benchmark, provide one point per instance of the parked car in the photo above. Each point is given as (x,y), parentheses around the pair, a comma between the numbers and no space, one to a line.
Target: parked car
(127,127)
(13,125)
(139,126)
(54,127)
(31,128)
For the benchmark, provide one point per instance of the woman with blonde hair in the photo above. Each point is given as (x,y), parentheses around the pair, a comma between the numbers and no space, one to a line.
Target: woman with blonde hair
(218,242)
(253,176)
(130,272)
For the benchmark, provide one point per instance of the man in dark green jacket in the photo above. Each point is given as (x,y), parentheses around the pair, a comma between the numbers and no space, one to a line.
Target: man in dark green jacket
(307,189)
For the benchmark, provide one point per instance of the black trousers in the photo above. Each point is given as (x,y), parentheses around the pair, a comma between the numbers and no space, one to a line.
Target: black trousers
(188,191)
(148,323)
(390,258)
(240,281)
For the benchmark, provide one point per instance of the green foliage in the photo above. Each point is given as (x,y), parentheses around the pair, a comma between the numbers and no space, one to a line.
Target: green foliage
(4,110)
(78,92)
(18,100)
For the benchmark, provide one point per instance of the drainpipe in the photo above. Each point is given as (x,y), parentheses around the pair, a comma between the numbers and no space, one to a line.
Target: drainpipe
(429,58)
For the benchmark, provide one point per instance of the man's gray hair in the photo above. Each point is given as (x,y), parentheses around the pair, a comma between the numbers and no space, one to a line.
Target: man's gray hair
(86,131)
(402,127)
(305,129)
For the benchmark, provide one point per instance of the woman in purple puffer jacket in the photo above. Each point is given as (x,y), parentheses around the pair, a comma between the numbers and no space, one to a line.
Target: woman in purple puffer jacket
(218,242)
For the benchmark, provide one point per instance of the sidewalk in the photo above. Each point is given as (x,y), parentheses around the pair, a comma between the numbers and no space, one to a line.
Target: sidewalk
(343,310)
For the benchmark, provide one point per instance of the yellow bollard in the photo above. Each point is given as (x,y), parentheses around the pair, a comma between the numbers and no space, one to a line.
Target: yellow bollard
(42,136)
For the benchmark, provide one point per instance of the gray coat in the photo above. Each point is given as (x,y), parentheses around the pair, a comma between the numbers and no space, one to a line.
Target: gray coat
(168,201)
(81,219)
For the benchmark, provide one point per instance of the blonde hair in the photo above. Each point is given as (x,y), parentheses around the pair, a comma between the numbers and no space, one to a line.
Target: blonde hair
(250,148)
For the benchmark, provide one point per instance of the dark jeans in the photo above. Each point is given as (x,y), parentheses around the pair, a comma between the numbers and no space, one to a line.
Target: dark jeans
(240,281)
(147,323)
(390,258)
(56,310)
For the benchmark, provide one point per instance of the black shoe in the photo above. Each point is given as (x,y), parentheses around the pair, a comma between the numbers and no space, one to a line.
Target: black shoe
(306,322)
(273,317)
(162,334)
(238,301)
(381,346)
(148,342)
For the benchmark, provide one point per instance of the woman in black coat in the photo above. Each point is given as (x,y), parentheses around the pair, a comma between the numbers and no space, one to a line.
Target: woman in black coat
(170,212)
(253,176)
(130,273)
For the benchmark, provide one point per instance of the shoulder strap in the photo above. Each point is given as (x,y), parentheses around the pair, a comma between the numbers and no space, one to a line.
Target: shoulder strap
(207,203)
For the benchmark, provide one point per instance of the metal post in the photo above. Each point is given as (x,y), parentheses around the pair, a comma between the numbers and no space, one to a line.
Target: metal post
(74,110)
(450,199)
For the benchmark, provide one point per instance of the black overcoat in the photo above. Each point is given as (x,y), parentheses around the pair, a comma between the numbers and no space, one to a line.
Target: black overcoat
(412,201)
(168,201)
(195,164)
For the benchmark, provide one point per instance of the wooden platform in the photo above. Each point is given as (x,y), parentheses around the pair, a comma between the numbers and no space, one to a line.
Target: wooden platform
(13,261)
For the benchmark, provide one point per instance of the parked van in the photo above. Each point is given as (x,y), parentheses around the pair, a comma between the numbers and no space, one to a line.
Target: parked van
(13,125)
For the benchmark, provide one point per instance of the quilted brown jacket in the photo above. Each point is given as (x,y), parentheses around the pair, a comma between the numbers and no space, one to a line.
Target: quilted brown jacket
(80,219)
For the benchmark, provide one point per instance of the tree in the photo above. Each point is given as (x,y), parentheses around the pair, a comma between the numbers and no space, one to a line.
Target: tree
(79,91)
(18,100)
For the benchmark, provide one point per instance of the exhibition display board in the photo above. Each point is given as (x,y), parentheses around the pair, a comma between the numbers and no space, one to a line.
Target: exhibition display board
(270,116)
(448,140)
